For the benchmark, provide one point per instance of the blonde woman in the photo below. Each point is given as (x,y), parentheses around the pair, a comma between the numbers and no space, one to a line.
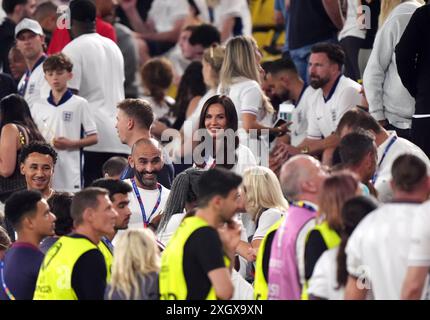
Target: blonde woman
(135,267)
(387,6)
(240,80)
(263,200)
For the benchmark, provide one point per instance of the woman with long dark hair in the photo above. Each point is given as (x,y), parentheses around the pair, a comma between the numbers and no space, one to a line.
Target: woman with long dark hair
(191,89)
(17,129)
(218,137)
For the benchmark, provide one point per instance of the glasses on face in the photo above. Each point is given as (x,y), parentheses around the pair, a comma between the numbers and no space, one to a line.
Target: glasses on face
(26,36)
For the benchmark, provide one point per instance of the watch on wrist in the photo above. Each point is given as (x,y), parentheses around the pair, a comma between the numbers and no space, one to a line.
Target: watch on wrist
(304,150)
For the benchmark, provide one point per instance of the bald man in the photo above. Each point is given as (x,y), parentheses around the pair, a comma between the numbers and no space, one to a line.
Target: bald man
(149,197)
(301,179)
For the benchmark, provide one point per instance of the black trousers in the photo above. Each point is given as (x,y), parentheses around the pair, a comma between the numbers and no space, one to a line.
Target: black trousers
(402,133)
(420,134)
(352,46)
(93,163)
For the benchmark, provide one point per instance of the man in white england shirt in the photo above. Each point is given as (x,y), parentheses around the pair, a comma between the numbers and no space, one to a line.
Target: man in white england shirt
(286,82)
(335,95)
(30,41)
(377,251)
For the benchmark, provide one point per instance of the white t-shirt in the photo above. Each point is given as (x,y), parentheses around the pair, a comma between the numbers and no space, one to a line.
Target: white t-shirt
(177,59)
(243,290)
(383,172)
(267,219)
(238,8)
(65,120)
(37,87)
(149,200)
(351,27)
(171,227)
(247,97)
(419,254)
(2,13)
(98,75)
(165,13)
(326,114)
(300,116)
(323,283)
(160,109)
(378,249)
(245,159)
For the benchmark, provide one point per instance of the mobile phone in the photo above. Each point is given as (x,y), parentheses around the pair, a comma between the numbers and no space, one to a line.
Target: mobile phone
(279,122)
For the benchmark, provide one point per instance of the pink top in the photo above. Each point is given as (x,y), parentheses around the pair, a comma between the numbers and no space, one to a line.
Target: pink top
(284,277)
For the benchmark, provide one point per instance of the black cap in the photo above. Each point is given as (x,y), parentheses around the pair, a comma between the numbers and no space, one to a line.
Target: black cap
(83,11)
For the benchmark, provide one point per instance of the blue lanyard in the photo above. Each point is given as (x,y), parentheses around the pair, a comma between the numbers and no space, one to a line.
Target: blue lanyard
(5,288)
(390,144)
(142,208)
(23,87)
(107,243)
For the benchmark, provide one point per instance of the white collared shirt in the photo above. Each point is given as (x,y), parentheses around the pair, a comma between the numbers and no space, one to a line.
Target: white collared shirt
(378,249)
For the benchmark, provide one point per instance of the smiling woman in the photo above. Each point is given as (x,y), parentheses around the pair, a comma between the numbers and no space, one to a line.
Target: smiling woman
(219,143)
(17,129)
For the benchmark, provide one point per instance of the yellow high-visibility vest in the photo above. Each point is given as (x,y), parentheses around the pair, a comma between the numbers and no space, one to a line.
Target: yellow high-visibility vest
(172,279)
(331,240)
(108,259)
(55,276)
(261,289)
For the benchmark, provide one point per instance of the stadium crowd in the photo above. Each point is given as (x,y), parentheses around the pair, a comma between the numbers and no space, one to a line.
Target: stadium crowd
(214,149)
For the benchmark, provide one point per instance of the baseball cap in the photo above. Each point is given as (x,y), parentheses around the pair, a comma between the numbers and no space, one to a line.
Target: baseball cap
(30,25)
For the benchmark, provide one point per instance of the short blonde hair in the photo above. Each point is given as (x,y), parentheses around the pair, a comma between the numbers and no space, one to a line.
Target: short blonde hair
(136,254)
(262,191)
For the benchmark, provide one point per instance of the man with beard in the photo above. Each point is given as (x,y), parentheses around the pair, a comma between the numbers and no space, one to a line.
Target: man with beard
(198,260)
(335,95)
(287,84)
(134,121)
(37,165)
(149,197)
